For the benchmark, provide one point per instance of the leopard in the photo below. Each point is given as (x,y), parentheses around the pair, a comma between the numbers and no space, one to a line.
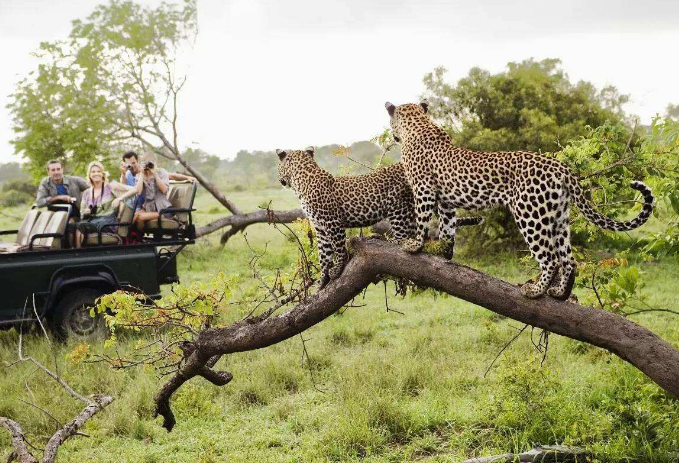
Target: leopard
(537,189)
(335,203)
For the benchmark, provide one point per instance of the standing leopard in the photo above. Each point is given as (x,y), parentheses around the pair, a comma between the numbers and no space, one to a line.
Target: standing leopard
(336,203)
(537,190)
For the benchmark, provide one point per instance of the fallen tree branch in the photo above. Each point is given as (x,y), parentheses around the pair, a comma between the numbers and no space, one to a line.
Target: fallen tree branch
(97,403)
(541,453)
(370,257)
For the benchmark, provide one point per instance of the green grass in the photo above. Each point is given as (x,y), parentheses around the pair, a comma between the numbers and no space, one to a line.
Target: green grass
(394,387)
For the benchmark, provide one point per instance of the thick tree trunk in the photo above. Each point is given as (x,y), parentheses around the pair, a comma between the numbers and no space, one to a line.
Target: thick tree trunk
(371,257)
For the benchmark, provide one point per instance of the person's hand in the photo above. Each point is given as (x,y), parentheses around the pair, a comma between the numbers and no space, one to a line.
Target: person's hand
(123,168)
(87,211)
(62,198)
(116,203)
(72,199)
(191,179)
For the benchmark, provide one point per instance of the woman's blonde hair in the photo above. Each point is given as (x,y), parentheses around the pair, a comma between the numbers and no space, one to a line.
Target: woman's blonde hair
(100,166)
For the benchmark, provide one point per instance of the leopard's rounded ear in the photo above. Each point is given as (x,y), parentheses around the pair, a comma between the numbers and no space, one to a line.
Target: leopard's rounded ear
(425,106)
(281,154)
(310,150)
(390,108)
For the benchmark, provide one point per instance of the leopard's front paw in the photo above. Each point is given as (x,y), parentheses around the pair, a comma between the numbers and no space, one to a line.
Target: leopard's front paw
(411,245)
(531,290)
(448,249)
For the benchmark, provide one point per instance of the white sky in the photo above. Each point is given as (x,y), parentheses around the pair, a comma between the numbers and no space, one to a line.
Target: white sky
(269,74)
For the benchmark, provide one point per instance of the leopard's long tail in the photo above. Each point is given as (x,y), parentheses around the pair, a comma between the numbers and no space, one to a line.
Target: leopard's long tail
(601,220)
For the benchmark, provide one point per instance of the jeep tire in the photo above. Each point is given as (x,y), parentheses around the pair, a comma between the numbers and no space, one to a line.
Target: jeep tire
(72,315)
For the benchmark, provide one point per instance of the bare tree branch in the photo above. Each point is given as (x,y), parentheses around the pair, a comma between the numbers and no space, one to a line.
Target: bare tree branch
(240,221)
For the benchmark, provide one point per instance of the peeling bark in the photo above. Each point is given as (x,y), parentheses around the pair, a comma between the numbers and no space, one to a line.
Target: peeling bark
(370,258)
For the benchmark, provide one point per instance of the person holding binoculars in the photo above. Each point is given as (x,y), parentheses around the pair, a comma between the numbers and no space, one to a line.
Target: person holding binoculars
(152,184)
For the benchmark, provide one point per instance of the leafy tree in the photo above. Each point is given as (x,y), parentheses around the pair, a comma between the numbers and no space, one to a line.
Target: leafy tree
(108,87)
(530,106)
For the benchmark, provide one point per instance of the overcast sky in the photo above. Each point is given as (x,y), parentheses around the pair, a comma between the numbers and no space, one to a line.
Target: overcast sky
(288,74)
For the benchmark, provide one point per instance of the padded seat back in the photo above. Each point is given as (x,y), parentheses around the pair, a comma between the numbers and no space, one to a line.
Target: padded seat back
(181,196)
(124,216)
(40,225)
(26,226)
(57,224)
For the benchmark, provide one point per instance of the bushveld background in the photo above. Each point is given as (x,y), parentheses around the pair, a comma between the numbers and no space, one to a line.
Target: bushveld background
(421,381)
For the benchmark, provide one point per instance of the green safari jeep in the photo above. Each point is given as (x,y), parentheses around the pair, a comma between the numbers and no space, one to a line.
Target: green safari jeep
(40,277)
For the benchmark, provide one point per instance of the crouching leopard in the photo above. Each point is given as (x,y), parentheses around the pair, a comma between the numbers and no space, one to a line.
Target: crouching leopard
(537,190)
(336,203)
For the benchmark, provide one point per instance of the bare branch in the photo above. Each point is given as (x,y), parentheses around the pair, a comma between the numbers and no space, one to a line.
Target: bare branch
(96,403)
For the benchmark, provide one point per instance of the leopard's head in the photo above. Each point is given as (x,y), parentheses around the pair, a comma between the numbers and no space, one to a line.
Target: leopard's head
(400,116)
(290,162)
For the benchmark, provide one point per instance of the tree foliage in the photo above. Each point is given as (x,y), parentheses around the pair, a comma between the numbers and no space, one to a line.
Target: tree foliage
(104,88)
(530,106)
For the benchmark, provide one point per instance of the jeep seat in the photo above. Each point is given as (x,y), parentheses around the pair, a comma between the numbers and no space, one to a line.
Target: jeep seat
(38,228)
(56,225)
(181,196)
(22,233)
(109,237)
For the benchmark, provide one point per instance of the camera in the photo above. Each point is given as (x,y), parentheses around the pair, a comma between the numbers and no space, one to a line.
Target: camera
(149,165)
(93,210)
(129,167)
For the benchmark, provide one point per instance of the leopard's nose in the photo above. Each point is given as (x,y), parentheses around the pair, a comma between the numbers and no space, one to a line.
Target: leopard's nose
(283,183)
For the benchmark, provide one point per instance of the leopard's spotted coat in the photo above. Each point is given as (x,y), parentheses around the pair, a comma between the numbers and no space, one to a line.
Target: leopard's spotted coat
(336,203)
(537,190)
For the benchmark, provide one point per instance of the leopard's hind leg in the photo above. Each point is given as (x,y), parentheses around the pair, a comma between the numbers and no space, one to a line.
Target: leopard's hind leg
(562,286)
(425,202)
(325,254)
(447,228)
(339,246)
(538,235)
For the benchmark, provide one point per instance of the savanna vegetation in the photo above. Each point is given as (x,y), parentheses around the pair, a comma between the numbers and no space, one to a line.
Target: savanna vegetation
(413,376)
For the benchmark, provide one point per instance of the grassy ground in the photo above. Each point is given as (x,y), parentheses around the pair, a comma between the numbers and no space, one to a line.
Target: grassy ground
(386,387)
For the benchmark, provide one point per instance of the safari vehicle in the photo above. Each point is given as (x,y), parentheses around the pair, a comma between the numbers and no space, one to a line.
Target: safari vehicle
(40,277)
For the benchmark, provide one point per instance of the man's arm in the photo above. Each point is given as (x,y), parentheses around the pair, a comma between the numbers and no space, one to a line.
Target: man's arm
(43,197)
(181,177)
(123,172)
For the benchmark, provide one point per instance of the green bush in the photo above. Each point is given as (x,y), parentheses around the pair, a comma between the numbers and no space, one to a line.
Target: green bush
(13,198)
